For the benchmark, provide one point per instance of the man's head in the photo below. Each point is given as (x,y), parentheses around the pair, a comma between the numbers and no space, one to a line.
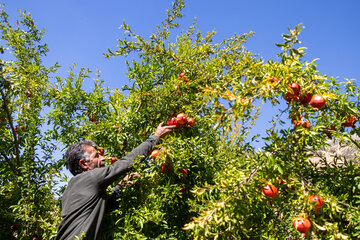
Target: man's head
(83,156)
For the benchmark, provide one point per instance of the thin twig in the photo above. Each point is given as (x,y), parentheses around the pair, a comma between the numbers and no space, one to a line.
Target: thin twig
(347,205)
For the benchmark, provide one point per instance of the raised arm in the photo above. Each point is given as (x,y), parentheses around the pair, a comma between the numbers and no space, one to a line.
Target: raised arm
(111,173)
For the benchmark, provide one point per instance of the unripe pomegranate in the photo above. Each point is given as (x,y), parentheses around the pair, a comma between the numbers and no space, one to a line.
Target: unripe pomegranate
(317,101)
(269,190)
(302,224)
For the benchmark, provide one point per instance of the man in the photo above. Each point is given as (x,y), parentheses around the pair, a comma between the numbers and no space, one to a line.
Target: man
(84,201)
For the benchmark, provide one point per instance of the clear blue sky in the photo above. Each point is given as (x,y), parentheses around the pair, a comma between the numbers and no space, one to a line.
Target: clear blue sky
(80,31)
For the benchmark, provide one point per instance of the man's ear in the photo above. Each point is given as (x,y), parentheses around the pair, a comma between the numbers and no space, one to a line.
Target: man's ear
(83,164)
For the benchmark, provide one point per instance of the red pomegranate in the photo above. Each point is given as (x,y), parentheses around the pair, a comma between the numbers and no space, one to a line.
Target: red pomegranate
(269,190)
(317,101)
(302,224)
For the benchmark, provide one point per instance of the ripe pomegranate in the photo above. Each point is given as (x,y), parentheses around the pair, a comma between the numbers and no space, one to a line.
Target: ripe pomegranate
(302,123)
(305,99)
(296,118)
(92,117)
(350,122)
(181,118)
(173,122)
(181,75)
(269,190)
(101,151)
(28,94)
(190,122)
(295,88)
(317,101)
(182,189)
(274,80)
(155,153)
(328,131)
(184,172)
(289,97)
(113,159)
(116,127)
(302,224)
(317,202)
(165,167)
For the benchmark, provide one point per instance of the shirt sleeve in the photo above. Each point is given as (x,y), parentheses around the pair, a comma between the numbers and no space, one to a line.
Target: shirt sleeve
(111,173)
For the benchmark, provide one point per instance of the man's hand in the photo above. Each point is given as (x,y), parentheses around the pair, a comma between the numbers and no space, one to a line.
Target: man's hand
(163,131)
(127,180)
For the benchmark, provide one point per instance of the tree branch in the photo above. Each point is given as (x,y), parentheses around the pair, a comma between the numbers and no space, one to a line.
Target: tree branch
(11,126)
(10,164)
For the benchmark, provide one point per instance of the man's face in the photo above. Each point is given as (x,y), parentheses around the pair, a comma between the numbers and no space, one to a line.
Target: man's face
(96,160)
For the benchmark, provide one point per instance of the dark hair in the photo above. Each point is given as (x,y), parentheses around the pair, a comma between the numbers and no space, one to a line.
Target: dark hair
(76,152)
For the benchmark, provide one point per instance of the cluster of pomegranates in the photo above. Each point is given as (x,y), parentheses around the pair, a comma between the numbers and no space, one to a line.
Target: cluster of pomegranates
(294,94)
(183,77)
(181,119)
(317,101)
(301,223)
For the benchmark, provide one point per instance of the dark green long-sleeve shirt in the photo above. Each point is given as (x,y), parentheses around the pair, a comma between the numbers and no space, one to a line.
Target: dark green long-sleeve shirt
(84,200)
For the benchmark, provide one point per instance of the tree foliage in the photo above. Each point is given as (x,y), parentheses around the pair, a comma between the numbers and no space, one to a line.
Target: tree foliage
(223,86)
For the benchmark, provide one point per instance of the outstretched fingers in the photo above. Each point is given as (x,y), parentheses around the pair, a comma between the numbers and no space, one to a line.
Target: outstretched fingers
(162,131)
